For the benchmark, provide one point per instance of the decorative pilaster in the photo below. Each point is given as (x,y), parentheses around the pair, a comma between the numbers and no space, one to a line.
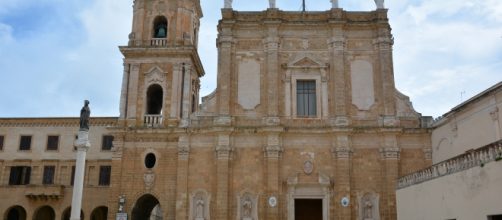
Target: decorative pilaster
(383,45)
(223,157)
(123,94)
(390,164)
(494,114)
(271,43)
(272,153)
(182,178)
(225,43)
(115,176)
(338,108)
(132,96)
(342,154)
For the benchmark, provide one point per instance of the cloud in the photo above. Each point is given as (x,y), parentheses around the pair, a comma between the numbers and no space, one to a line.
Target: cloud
(5,34)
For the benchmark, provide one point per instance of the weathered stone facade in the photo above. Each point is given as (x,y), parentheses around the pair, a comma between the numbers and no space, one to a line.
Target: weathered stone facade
(248,151)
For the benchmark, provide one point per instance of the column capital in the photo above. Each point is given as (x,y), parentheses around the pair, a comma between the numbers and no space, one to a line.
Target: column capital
(342,152)
(390,153)
(427,153)
(82,143)
(273,152)
(224,152)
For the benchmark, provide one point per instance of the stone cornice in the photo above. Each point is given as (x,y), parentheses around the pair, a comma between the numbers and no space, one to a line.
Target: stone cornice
(56,122)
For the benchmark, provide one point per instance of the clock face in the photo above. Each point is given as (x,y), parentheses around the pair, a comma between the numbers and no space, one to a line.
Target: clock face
(272,201)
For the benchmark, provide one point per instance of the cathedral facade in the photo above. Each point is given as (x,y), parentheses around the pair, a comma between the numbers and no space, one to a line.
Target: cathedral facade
(305,123)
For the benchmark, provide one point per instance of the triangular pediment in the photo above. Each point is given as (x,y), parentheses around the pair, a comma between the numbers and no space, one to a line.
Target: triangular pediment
(306,61)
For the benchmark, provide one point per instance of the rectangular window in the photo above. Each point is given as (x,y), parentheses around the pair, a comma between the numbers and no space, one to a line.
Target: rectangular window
(72,175)
(104,175)
(20,175)
(495,217)
(49,172)
(25,143)
(107,142)
(306,101)
(52,142)
(1,142)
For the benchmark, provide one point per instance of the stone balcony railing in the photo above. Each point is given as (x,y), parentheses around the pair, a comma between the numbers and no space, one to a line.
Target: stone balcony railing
(153,121)
(478,157)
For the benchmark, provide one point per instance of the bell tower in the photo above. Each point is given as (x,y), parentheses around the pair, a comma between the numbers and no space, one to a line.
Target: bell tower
(162,68)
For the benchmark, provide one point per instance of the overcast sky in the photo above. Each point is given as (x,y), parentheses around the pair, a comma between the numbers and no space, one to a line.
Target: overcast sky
(56,53)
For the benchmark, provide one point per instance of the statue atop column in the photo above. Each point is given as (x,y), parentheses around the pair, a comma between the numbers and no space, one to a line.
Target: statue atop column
(271,3)
(228,4)
(379,4)
(334,4)
(85,114)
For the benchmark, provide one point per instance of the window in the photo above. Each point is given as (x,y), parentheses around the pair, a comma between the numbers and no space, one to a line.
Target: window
(49,175)
(160,27)
(20,175)
(1,142)
(306,105)
(107,142)
(495,217)
(154,97)
(72,175)
(104,175)
(52,142)
(25,143)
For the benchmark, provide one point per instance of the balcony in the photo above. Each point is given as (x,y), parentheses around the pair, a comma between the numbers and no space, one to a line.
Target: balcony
(478,157)
(153,121)
(44,192)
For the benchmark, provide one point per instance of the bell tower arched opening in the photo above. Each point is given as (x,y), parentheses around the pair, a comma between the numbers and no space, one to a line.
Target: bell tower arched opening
(154,97)
(160,27)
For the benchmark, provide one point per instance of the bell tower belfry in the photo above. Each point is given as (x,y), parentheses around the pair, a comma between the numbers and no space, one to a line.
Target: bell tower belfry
(162,67)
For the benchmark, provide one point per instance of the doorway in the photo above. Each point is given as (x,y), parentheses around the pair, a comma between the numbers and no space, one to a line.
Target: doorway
(308,209)
(147,207)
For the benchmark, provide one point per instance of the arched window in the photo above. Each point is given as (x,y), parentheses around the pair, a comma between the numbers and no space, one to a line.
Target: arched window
(154,97)
(160,27)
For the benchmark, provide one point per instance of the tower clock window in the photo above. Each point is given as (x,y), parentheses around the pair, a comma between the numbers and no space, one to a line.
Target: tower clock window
(160,27)
(154,99)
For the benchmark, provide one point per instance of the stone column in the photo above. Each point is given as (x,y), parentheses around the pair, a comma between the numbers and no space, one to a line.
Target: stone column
(271,43)
(390,167)
(223,156)
(225,43)
(125,91)
(342,153)
(185,101)
(132,96)
(82,144)
(272,153)
(182,196)
(338,107)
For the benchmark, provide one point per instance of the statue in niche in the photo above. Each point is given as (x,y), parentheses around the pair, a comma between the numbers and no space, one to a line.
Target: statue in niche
(368,210)
(85,114)
(379,4)
(199,208)
(228,4)
(334,3)
(247,207)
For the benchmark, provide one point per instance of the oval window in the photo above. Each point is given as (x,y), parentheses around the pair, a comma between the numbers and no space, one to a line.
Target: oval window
(150,160)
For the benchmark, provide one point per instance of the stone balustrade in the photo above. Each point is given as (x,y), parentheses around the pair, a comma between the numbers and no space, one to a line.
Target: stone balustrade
(478,157)
(158,42)
(153,121)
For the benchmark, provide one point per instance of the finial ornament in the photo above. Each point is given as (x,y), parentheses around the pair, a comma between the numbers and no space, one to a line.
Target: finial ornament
(379,4)
(228,4)
(334,3)
(85,114)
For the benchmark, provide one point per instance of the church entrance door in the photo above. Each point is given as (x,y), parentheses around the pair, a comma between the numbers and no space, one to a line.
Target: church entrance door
(308,209)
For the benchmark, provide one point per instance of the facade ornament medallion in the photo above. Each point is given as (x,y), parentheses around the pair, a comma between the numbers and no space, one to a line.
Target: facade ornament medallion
(272,201)
(345,201)
(149,179)
(308,167)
